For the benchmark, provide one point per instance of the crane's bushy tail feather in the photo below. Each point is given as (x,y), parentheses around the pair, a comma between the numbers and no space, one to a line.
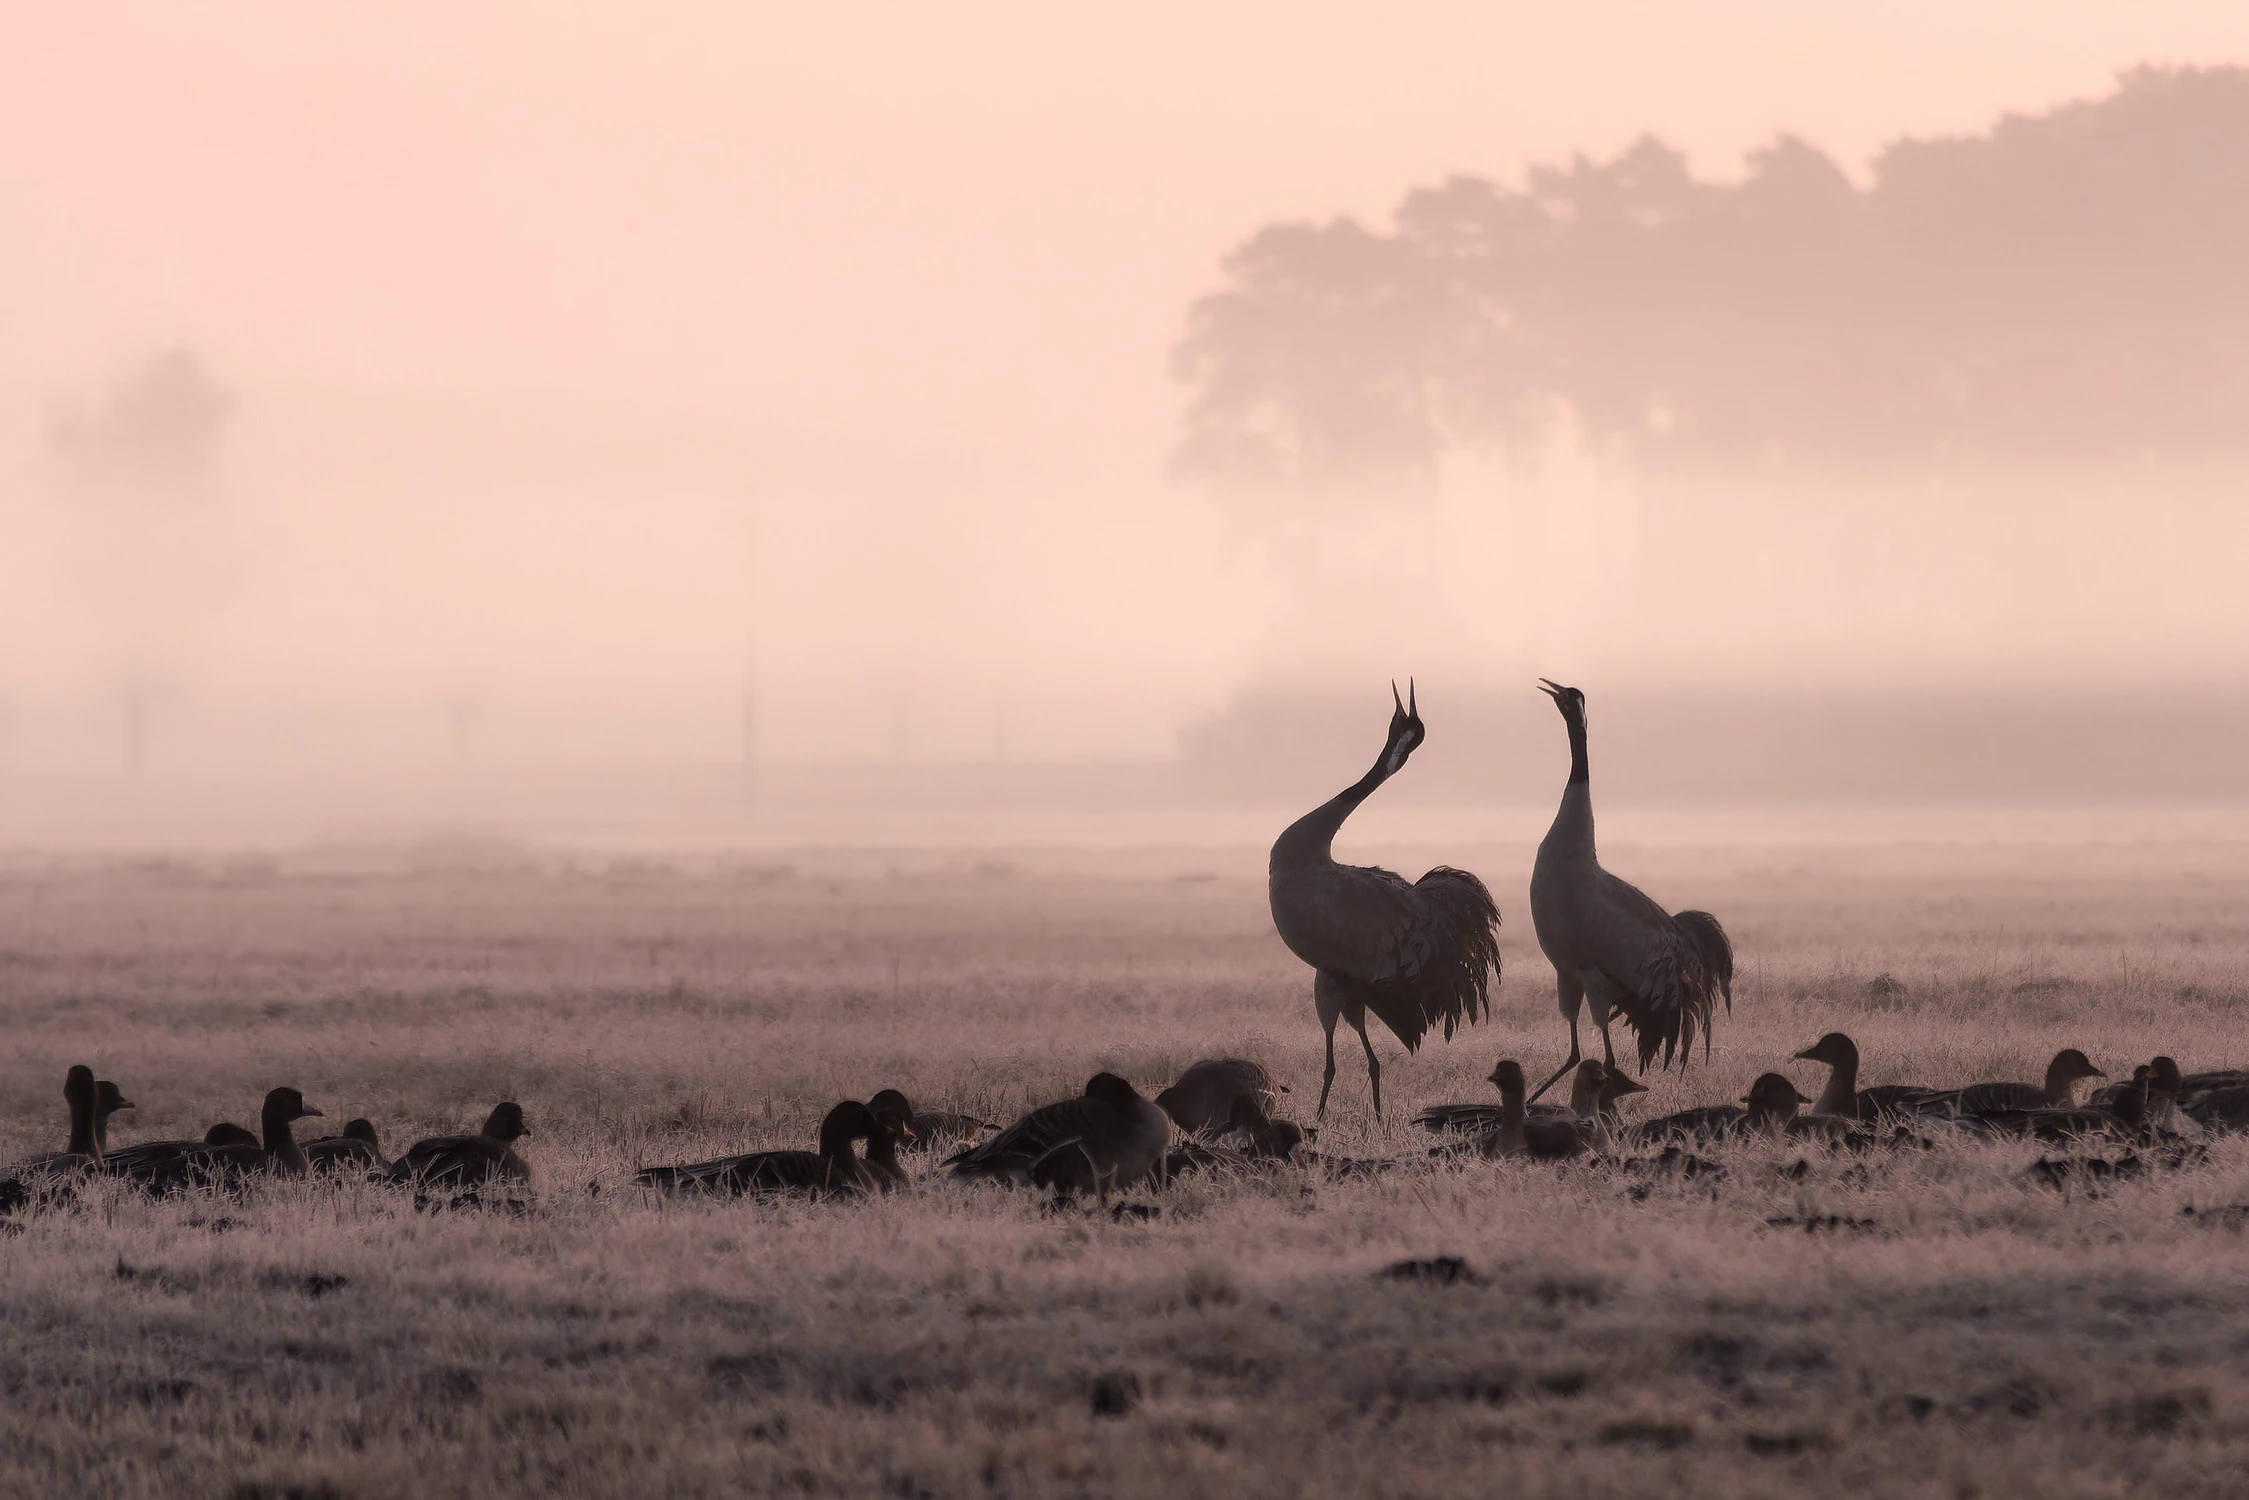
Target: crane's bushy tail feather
(1453,983)
(1713,947)
(1677,998)
(1707,936)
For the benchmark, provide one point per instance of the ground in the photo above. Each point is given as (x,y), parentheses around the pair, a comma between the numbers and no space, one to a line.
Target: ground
(1946,1324)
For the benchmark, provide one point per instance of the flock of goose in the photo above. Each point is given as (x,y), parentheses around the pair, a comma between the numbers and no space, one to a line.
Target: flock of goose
(1419,956)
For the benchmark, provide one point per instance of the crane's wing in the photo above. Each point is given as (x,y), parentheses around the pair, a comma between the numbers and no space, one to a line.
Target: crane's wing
(1419,956)
(1652,970)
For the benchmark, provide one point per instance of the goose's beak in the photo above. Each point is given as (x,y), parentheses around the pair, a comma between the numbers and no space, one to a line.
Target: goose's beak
(307,1109)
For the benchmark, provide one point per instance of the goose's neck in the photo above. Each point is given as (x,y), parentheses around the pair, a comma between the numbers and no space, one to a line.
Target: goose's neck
(1310,840)
(83,1141)
(1585,1097)
(1841,1096)
(1512,1111)
(281,1144)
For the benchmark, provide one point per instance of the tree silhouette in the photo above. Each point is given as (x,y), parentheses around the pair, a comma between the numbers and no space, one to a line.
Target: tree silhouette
(2065,287)
(140,464)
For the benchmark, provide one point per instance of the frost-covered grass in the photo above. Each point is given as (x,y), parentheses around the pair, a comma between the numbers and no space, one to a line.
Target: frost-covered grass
(1962,1331)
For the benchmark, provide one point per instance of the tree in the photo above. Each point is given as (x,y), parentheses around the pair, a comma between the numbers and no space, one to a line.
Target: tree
(141,466)
(2062,288)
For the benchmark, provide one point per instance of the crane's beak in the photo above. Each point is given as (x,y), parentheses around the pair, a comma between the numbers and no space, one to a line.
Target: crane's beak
(1394,698)
(1550,687)
(1413,708)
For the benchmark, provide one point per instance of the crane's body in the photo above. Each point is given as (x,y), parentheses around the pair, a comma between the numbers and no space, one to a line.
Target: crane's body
(1615,951)
(1418,954)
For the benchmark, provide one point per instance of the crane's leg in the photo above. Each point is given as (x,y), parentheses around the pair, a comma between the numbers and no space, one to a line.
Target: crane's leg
(1330,1007)
(1358,1019)
(1569,992)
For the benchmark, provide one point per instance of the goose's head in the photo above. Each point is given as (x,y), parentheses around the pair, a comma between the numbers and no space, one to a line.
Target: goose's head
(2070,1065)
(1507,1077)
(1113,1091)
(1406,731)
(285,1104)
(505,1123)
(1773,1097)
(1617,1084)
(109,1098)
(1568,699)
(1835,1049)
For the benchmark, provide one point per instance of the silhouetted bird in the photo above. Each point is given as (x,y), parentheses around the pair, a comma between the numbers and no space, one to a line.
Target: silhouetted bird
(1418,955)
(1609,943)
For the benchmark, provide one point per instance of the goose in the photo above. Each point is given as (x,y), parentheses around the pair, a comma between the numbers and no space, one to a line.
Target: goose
(2163,1086)
(1612,945)
(1594,1093)
(1110,1137)
(82,1094)
(45,1170)
(2125,1116)
(832,1171)
(1773,1104)
(2215,1105)
(1203,1098)
(277,1153)
(357,1149)
(128,1161)
(883,1166)
(2059,1091)
(1418,955)
(1842,1098)
(1266,1138)
(1705,1122)
(469,1161)
(919,1129)
(1554,1137)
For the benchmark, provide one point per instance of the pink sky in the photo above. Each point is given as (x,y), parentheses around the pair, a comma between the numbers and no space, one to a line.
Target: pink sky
(528,309)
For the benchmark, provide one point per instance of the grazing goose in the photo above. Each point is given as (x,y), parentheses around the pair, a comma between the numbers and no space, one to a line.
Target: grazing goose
(1554,1137)
(1418,955)
(919,1129)
(1266,1138)
(1109,1137)
(201,1165)
(2059,1091)
(469,1161)
(1844,1099)
(1263,1139)
(1203,1098)
(2213,1103)
(356,1150)
(833,1171)
(1609,943)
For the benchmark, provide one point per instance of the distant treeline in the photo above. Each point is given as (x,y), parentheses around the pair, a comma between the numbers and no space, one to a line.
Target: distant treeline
(2066,288)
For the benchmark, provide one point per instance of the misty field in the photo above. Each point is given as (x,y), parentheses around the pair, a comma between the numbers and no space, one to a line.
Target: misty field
(1946,1325)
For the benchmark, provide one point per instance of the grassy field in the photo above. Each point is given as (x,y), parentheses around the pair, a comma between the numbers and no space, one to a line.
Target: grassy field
(1949,1327)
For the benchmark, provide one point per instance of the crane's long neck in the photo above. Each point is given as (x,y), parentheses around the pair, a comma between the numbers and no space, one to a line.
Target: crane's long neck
(1572,832)
(1841,1096)
(1310,840)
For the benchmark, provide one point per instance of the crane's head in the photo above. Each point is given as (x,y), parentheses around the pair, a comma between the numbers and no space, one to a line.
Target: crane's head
(1568,699)
(1405,730)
